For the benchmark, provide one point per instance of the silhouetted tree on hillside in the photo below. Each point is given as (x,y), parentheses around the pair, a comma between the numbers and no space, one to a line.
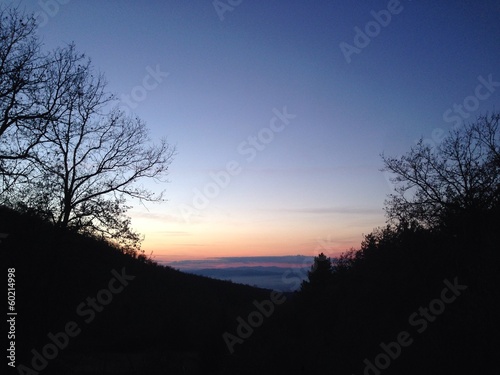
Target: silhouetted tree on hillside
(458,178)
(89,161)
(64,154)
(320,274)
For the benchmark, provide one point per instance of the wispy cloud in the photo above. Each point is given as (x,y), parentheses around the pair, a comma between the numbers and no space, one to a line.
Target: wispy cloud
(166,218)
(308,170)
(330,210)
(174,232)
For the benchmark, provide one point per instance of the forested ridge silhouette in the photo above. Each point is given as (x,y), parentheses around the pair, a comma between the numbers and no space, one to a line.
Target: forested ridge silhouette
(421,294)
(160,320)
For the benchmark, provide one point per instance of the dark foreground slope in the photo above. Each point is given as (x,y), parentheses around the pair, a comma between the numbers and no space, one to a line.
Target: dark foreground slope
(409,302)
(85,308)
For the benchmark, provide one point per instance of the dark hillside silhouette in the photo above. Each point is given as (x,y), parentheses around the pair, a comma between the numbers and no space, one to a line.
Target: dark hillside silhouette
(421,295)
(162,320)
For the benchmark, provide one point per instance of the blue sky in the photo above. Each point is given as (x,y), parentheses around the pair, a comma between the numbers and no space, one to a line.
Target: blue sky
(316,183)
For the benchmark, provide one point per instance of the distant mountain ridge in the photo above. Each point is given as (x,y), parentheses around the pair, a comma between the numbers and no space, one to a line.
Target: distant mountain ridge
(272,277)
(282,261)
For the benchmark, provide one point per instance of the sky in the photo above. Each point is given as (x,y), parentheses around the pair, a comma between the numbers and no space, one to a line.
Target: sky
(280,109)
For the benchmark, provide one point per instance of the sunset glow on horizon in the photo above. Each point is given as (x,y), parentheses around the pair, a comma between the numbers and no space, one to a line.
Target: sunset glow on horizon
(230,237)
(279,111)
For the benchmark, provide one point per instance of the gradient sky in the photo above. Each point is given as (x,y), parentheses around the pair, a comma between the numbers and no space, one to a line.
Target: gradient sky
(314,183)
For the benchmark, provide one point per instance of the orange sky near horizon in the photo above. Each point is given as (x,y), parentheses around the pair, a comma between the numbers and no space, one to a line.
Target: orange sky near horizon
(171,240)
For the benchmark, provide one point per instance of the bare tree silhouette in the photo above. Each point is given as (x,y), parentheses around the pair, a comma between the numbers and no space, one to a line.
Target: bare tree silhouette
(458,177)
